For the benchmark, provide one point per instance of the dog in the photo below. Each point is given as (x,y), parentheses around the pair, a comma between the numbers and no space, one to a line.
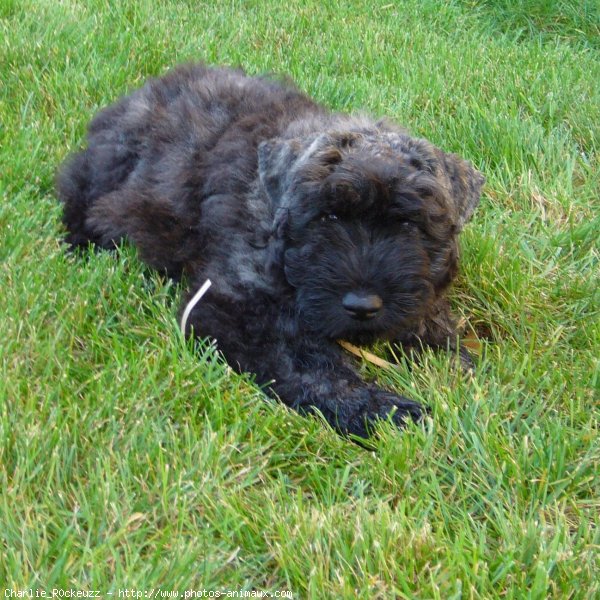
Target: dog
(313,226)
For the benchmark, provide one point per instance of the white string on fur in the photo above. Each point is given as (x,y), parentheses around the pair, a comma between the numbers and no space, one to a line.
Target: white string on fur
(190,305)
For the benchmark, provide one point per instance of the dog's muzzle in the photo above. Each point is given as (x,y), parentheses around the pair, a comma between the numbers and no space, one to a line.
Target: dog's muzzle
(362,306)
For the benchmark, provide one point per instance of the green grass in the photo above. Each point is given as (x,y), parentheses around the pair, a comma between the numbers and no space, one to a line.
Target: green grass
(131,459)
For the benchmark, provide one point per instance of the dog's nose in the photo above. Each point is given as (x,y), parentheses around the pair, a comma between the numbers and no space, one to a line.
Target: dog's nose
(362,306)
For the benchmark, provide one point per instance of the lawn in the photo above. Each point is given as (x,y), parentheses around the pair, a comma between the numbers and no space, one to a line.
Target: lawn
(130,459)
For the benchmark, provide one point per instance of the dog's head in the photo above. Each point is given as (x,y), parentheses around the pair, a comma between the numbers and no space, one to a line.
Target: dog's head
(366,224)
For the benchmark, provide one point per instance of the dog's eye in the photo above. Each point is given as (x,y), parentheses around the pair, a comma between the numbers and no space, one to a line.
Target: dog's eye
(328,217)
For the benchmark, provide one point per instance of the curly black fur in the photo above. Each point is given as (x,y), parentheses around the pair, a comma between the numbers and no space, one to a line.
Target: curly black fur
(312,225)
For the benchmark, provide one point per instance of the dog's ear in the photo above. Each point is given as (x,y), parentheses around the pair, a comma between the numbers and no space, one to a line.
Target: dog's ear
(276,159)
(465,183)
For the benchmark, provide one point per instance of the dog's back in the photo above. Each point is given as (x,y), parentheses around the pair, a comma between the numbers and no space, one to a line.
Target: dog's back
(182,127)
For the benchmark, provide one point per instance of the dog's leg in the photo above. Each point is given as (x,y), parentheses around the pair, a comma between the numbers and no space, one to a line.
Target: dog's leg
(100,170)
(162,238)
(318,376)
(307,373)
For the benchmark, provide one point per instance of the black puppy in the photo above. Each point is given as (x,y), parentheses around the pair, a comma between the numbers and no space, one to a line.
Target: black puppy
(312,226)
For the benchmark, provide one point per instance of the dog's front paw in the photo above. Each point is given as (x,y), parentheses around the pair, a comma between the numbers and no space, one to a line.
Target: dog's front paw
(384,406)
